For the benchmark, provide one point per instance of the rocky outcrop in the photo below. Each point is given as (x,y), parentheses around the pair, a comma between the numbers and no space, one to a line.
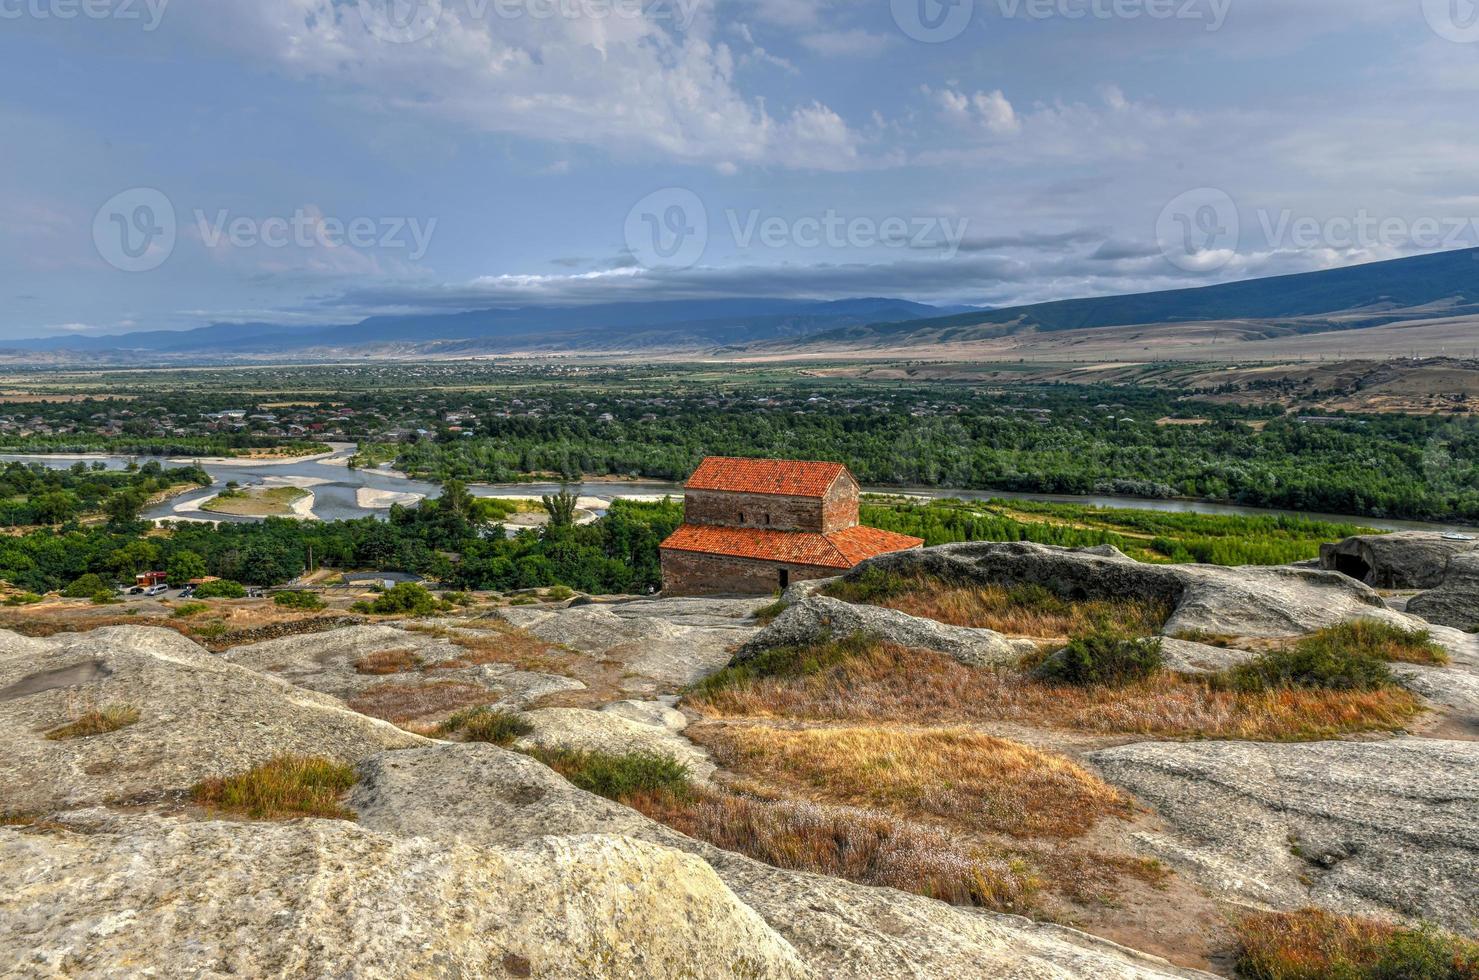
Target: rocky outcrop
(1251,601)
(328,662)
(816,617)
(665,644)
(842,931)
(1405,560)
(1381,828)
(148,896)
(1455,602)
(581,730)
(197,717)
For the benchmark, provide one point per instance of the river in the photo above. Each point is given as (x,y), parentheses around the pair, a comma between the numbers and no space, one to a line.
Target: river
(336,489)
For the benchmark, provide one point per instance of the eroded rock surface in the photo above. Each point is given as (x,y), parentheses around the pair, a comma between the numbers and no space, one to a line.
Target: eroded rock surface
(818,616)
(1251,601)
(1455,602)
(328,662)
(1366,827)
(581,730)
(318,898)
(841,930)
(198,717)
(669,642)
(1404,560)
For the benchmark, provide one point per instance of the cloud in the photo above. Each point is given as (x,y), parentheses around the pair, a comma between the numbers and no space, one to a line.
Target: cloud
(990,110)
(853,43)
(633,85)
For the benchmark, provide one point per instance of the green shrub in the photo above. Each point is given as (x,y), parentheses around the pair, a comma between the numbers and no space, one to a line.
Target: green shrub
(1348,657)
(1104,657)
(459,599)
(405,599)
(190,609)
(24,599)
(86,587)
(222,589)
(618,777)
(486,725)
(1378,640)
(559,593)
(770,612)
(105,598)
(299,600)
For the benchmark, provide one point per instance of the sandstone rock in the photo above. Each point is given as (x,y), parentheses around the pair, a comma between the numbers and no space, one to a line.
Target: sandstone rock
(842,931)
(1250,601)
(1186,657)
(198,717)
(1455,602)
(1405,560)
(818,616)
(602,731)
(1381,828)
(658,714)
(671,642)
(326,662)
(133,896)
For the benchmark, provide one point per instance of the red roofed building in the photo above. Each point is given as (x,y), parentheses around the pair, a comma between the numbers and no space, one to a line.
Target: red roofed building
(756,525)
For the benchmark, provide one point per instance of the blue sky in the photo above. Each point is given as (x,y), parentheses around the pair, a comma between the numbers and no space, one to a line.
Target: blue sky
(170,163)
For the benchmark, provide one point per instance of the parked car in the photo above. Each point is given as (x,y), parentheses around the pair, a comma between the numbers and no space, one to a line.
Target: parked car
(154,590)
(187,592)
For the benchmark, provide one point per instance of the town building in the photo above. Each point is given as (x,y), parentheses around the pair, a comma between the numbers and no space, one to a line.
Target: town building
(752,526)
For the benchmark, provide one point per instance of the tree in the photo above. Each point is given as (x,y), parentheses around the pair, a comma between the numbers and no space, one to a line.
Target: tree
(561,506)
(184,566)
(455,498)
(123,507)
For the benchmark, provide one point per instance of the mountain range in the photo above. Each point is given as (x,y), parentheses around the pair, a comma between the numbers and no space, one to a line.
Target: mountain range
(1385,301)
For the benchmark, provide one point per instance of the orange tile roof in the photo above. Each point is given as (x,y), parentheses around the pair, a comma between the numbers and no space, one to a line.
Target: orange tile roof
(781,477)
(842,549)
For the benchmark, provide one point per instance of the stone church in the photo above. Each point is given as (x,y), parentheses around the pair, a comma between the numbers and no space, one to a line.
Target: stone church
(756,525)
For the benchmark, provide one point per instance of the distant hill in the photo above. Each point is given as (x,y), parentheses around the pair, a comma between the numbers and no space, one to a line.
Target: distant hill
(1444,284)
(681,325)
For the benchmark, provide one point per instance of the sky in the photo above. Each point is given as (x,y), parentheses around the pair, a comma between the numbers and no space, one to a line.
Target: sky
(166,164)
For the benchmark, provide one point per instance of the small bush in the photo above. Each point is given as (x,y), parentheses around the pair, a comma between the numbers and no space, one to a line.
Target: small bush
(299,600)
(459,599)
(560,593)
(86,587)
(109,719)
(213,630)
(1380,641)
(619,777)
(105,598)
(190,609)
(405,599)
(220,590)
(486,725)
(24,599)
(1349,657)
(284,788)
(769,613)
(1104,657)
(1314,945)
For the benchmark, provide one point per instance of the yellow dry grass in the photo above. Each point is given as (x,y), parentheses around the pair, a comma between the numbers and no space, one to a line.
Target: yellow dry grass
(885,682)
(965,778)
(400,703)
(97,722)
(284,788)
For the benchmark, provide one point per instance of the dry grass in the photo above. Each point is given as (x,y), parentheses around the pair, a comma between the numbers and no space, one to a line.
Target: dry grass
(864,846)
(400,703)
(495,643)
(872,681)
(1018,611)
(485,725)
(1379,641)
(283,789)
(389,662)
(968,779)
(97,722)
(1314,945)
